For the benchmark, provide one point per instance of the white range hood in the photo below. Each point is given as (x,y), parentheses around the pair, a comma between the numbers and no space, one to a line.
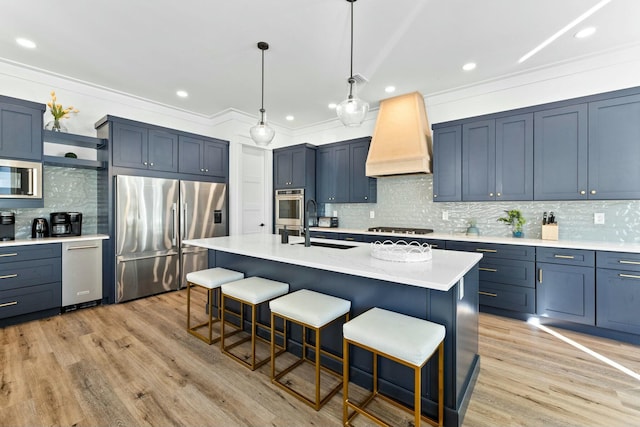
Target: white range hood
(401,142)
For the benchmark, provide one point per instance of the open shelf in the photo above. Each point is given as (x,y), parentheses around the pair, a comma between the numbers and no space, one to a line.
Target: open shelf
(72,139)
(69,162)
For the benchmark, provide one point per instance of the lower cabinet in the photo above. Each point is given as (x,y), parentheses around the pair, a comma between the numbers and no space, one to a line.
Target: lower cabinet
(30,279)
(506,275)
(618,291)
(565,286)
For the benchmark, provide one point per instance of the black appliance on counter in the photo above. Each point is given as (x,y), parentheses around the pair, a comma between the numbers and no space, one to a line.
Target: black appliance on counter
(65,224)
(7,226)
(40,228)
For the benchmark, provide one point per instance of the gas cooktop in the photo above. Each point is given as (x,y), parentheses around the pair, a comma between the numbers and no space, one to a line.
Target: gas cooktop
(401,230)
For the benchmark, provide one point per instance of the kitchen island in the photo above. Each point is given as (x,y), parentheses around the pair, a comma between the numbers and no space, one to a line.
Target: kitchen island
(443,290)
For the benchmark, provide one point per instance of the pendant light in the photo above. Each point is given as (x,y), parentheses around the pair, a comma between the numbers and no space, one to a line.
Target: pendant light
(262,134)
(353,110)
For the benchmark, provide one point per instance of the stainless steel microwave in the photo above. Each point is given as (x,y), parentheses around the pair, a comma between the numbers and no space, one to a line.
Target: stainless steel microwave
(20,179)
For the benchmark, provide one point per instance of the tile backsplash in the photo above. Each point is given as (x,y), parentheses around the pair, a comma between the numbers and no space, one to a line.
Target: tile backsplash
(65,190)
(406,201)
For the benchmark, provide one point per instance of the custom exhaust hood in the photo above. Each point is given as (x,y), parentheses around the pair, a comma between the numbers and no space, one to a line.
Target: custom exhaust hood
(401,142)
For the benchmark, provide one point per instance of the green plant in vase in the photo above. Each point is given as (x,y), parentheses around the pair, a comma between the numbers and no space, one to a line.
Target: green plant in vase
(515,219)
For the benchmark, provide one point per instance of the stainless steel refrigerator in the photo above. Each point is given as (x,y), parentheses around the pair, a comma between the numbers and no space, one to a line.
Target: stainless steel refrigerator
(153,215)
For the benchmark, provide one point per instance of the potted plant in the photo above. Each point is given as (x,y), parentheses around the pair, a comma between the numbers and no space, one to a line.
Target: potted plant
(515,219)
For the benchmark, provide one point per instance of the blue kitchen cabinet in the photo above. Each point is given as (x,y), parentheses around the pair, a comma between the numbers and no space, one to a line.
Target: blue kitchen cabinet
(507,273)
(20,129)
(565,285)
(203,156)
(332,173)
(560,153)
(144,148)
(447,164)
(294,167)
(497,159)
(362,189)
(618,291)
(614,148)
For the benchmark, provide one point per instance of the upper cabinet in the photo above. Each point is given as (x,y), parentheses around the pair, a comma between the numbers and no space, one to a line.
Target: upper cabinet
(294,167)
(340,173)
(497,159)
(20,129)
(614,148)
(447,164)
(144,148)
(202,156)
(560,145)
(582,149)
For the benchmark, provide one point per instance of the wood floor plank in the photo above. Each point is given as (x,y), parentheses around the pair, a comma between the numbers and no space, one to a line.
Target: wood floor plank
(135,364)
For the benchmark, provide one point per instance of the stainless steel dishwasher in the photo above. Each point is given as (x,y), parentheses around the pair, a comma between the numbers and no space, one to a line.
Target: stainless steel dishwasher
(81,274)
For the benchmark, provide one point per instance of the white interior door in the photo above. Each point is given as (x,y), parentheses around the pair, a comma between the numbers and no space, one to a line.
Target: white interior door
(254,191)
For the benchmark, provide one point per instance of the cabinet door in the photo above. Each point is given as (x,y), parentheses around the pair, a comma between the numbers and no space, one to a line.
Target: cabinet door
(298,168)
(514,158)
(566,292)
(362,188)
(20,132)
(163,151)
(282,164)
(333,174)
(190,155)
(614,148)
(479,161)
(447,164)
(324,171)
(341,182)
(216,158)
(618,293)
(560,153)
(130,146)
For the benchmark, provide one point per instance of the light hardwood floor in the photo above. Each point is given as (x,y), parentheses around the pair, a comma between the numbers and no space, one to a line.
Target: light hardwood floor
(133,364)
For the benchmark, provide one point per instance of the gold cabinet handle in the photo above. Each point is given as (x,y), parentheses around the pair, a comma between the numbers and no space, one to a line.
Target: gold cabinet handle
(492,270)
(486,250)
(434,246)
(622,261)
(7,304)
(350,238)
(564,256)
(8,276)
(11,254)
(487,294)
(629,276)
(593,191)
(540,275)
(582,192)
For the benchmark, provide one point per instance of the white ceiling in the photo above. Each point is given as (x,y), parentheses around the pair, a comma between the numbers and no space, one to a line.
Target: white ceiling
(150,49)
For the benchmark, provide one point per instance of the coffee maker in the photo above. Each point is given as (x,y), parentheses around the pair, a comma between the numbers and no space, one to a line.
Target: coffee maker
(39,228)
(7,226)
(60,224)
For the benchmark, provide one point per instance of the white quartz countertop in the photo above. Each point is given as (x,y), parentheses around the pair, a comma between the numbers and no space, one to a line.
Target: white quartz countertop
(441,273)
(45,240)
(461,237)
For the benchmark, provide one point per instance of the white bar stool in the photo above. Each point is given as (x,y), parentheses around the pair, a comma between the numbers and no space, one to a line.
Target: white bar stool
(252,291)
(210,279)
(404,339)
(313,311)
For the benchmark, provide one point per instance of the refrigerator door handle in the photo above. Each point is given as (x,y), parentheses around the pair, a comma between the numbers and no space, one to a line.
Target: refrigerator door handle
(121,258)
(174,212)
(184,221)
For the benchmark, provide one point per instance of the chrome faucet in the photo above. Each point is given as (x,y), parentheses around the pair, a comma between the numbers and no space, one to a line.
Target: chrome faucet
(307,233)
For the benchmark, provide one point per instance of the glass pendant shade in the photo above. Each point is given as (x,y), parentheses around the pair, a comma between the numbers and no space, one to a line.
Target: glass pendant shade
(353,110)
(262,134)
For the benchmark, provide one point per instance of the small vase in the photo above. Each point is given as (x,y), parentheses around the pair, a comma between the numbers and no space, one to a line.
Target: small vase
(55,125)
(517,233)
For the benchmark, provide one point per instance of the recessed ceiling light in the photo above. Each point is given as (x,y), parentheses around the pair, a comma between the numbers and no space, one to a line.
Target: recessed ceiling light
(333,105)
(586,32)
(289,117)
(26,43)
(469,66)
(390,89)
(563,30)
(182,93)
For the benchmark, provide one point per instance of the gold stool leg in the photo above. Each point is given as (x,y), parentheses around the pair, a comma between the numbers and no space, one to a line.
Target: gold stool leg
(345,380)
(188,306)
(416,396)
(441,384)
(317,336)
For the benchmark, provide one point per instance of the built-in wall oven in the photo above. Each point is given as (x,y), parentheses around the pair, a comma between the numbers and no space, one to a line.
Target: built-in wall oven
(289,211)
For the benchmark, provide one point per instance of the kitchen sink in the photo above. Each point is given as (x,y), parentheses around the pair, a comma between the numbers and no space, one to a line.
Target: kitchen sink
(328,245)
